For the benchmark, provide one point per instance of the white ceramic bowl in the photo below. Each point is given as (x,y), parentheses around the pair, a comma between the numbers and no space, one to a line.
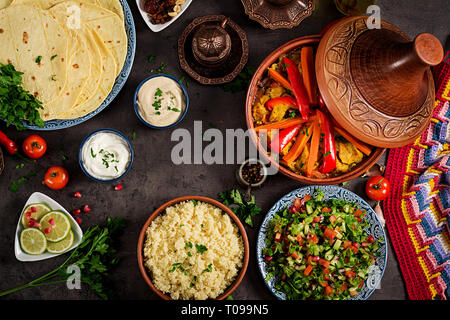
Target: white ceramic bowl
(160,27)
(38,197)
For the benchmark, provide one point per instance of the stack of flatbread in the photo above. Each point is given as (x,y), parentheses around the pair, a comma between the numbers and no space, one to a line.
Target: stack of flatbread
(69,51)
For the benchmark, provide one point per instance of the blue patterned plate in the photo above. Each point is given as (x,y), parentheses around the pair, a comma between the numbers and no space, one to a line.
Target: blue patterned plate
(119,83)
(330,192)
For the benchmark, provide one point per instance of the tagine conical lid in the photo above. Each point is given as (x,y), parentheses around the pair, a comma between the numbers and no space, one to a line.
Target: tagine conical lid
(377,83)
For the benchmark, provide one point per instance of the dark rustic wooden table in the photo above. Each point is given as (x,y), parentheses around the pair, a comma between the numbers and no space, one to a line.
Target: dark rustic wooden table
(154,179)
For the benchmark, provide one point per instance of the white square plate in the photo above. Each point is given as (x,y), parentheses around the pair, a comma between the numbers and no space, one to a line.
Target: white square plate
(38,197)
(160,27)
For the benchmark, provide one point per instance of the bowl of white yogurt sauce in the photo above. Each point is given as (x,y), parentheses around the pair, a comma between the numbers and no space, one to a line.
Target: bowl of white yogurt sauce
(161,101)
(106,155)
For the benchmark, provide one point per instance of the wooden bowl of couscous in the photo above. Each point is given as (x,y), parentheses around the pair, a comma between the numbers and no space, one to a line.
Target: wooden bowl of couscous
(193,248)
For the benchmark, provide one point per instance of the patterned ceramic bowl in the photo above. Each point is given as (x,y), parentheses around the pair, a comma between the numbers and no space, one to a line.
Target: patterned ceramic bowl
(330,192)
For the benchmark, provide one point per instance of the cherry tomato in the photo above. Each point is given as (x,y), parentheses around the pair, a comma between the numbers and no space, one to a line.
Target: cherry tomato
(34,147)
(56,178)
(378,188)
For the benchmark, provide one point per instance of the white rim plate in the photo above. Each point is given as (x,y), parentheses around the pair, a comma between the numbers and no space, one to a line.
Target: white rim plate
(160,27)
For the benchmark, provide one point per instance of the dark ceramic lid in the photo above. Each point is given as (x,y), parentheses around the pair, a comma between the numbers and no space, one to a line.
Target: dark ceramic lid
(377,83)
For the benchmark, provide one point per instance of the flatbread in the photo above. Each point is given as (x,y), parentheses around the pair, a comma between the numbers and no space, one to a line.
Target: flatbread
(4,3)
(27,34)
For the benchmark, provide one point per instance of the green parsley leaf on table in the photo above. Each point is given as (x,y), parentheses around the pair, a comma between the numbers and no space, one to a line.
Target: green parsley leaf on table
(17,104)
(241,82)
(243,209)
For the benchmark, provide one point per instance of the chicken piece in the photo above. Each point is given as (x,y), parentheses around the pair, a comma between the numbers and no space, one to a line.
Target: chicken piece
(340,167)
(278,113)
(260,112)
(347,153)
(275,92)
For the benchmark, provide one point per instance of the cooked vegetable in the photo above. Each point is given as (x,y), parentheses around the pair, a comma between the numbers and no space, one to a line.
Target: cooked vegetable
(319,249)
(286,123)
(299,146)
(283,138)
(309,74)
(314,150)
(16,104)
(378,188)
(289,101)
(358,144)
(329,145)
(298,88)
(95,256)
(275,75)
(9,145)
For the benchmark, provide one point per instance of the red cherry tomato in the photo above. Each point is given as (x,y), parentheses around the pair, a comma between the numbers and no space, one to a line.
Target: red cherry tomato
(34,147)
(56,178)
(378,188)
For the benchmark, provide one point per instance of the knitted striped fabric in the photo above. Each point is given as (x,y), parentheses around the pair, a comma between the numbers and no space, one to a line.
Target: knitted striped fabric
(417,211)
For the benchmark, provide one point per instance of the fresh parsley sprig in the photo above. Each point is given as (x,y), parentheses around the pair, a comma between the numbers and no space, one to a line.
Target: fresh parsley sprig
(243,209)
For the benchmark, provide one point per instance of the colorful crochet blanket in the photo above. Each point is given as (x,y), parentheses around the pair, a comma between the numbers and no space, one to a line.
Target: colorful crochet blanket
(417,211)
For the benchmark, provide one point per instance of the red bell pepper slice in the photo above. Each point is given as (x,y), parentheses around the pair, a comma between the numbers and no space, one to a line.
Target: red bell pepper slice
(329,144)
(9,145)
(298,87)
(282,139)
(281,100)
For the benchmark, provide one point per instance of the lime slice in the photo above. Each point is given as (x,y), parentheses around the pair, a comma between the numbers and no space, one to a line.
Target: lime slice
(61,246)
(33,241)
(35,211)
(56,226)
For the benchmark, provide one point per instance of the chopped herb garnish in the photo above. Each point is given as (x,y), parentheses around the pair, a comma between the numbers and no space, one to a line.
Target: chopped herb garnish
(174,109)
(194,202)
(92,154)
(188,244)
(202,225)
(134,135)
(151,58)
(53,57)
(201,248)
(209,269)
(53,77)
(20,166)
(38,59)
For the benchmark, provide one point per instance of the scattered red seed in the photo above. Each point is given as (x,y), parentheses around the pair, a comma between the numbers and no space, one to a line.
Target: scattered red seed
(118,187)
(31,223)
(86,209)
(76,212)
(52,221)
(268,258)
(48,230)
(33,209)
(77,195)
(28,215)
(78,220)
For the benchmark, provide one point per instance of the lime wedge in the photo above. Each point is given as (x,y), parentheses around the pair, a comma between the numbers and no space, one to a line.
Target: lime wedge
(33,241)
(61,246)
(55,225)
(35,211)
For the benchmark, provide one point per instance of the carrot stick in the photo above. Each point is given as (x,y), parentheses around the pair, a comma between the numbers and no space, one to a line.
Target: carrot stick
(275,75)
(358,144)
(299,145)
(309,73)
(314,149)
(283,124)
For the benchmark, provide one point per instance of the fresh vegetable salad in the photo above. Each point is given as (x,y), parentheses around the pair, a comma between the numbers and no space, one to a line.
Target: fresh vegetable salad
(319,249)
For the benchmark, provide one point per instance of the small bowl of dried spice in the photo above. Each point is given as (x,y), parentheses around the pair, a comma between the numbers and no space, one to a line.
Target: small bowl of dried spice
(252,173)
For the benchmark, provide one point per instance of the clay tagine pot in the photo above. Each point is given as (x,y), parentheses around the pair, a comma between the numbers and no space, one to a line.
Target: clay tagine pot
(211,44)
(277,14)
(377,83)
(213,49)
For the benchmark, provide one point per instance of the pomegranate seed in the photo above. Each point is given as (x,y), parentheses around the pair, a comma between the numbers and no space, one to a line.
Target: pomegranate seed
(31,223)
(86,209)
(371,239)
(283,277)
(76,212)
(316,258)
(33,209)
(52,222)
(118,187)
(356,245)
(268,258)
(48,230)
(28,215)
(77,195)
(78,220)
